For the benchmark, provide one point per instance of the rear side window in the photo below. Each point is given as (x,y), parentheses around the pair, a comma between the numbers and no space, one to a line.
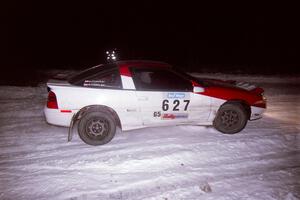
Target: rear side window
(102,76)
(109,79)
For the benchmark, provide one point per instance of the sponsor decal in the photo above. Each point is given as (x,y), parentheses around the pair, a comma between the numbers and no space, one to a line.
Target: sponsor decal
(174,116)
(93,83)
(175,95)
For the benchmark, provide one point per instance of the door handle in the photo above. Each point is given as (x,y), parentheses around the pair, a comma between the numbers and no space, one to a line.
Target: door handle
(131,110)
(143,98)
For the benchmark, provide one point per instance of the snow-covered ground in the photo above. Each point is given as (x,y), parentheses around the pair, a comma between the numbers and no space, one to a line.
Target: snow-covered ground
(181,162)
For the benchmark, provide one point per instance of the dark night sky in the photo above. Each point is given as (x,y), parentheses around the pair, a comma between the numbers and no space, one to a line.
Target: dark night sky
(40,34)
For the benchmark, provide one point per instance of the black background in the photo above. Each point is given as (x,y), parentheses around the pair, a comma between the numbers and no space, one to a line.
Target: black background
(233,37)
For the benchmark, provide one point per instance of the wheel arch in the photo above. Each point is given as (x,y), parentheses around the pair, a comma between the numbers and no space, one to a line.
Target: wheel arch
(228,123)
(107,109)
(245,105)
(90,108)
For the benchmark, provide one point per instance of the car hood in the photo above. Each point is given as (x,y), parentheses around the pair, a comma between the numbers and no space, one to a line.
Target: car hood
(231,84)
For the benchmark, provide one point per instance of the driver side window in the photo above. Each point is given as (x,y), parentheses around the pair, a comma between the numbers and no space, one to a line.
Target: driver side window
(154,79)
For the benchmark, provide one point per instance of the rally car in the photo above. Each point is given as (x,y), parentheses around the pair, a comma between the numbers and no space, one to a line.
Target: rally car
(136,94)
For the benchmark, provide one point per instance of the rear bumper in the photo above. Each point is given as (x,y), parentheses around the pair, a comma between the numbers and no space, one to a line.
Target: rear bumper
(56,117)
(256,112)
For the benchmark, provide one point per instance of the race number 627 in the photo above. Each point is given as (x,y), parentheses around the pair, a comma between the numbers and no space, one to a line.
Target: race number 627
(176,103)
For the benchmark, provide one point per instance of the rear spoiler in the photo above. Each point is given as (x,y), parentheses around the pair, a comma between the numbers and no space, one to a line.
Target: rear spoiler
(57,82)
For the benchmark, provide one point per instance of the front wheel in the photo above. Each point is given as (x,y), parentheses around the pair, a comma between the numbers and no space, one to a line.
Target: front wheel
(97,128)
(231,118)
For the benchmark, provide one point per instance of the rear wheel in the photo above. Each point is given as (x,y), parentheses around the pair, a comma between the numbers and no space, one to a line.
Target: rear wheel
(97,128)
(231,118)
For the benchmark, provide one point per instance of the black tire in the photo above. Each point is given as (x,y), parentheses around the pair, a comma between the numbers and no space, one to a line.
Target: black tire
(231,118)
(97,128)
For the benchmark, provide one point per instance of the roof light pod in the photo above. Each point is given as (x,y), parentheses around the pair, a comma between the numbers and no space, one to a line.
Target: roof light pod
(111,55)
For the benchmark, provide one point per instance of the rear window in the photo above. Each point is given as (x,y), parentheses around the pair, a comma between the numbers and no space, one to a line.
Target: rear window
(90,72)
(103,76)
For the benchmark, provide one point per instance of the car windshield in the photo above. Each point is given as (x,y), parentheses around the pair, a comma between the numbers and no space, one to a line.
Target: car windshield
(188,76)
(89,72)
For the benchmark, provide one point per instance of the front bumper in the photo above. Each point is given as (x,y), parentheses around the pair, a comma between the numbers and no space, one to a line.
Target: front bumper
(256,112)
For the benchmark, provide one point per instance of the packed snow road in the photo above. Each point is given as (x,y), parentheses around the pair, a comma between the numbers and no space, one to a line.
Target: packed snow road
(180,162)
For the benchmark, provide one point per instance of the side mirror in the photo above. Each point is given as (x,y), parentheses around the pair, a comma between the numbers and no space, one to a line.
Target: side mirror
(198,89)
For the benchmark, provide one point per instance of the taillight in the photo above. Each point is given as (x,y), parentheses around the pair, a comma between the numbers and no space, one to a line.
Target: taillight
(52,102)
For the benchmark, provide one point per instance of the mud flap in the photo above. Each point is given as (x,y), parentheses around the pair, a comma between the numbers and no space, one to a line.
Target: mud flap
(70,133)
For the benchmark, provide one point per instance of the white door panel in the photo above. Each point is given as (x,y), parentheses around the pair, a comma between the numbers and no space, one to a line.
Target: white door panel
(160,108)
(149,103)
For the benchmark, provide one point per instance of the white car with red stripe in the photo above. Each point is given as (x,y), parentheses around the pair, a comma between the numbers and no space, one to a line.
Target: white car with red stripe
(137,94)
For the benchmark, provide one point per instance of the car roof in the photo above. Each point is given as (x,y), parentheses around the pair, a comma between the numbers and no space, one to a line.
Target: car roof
(142,63)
